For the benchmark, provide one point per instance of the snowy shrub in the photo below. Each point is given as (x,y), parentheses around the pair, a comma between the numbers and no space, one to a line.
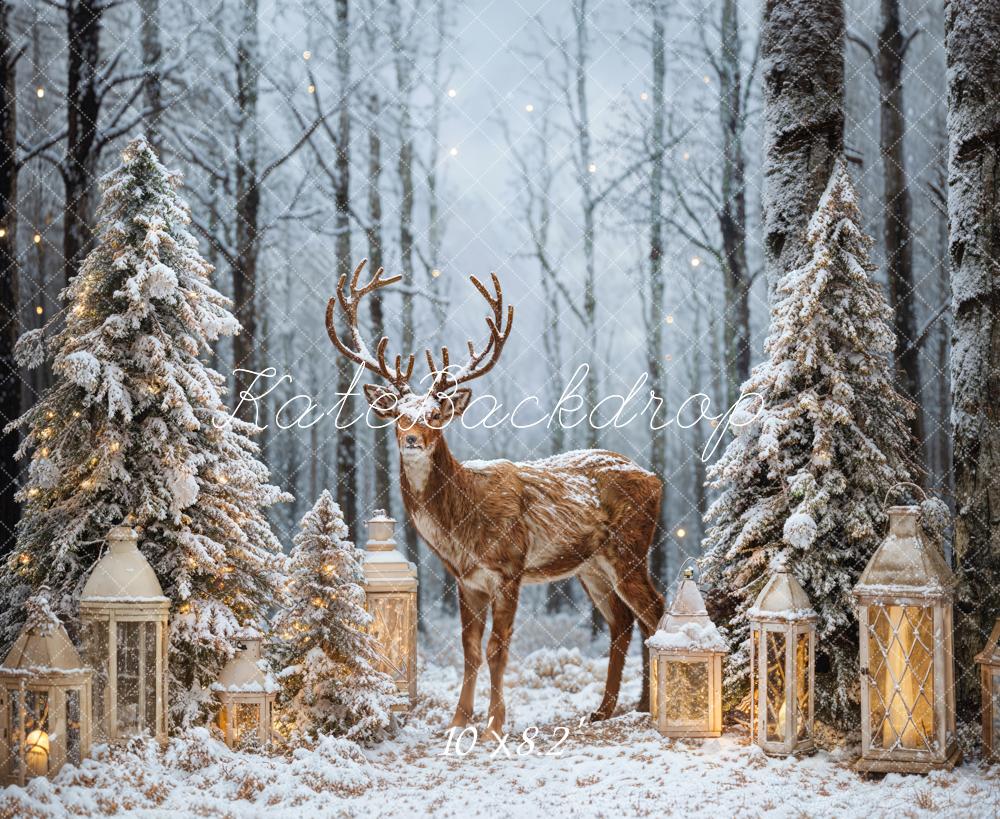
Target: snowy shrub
(328,659)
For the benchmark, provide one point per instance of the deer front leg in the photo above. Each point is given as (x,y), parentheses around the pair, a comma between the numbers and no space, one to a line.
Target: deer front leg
(473,606)
(497,650)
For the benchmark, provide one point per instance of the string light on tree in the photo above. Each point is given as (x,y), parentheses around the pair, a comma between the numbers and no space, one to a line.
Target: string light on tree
(529,107)
(312,88)
(452,93)
(670,319)
(592,168)
(3,232)
(435,273)
(453,152)
(681,532)
(644,96)
(40,92)
(307,55)
(37,238)
(695,261)
(39,309)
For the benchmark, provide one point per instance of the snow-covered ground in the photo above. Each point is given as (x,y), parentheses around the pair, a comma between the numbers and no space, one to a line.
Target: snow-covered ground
(617,768)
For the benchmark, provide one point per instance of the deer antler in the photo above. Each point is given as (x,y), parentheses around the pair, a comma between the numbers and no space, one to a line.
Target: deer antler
(478,364)
(360,354)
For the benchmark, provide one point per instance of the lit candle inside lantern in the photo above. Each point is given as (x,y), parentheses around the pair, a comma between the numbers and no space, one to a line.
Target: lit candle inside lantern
(36,752)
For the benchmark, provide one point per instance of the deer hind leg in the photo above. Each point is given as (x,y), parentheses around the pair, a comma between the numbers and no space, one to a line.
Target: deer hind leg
(620,620)
(497,651)
(639,594)
(473,606)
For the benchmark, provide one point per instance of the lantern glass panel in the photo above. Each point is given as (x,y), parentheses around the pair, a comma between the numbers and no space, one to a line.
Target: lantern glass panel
(35,732)
(95,655)
(390,630)
(129,650)
(73,726)
(995,710)
(754,659)
(802,721)
(149,674)
(10,762)
(901,679)
(686,702)
(774,642)
(247,718)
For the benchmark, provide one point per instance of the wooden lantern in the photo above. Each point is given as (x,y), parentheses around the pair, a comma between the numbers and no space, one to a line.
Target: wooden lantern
(246,692)
(782,656)
(989,669)
(391,599)
(123,618)
(44,702)
(685,668)
(907,670)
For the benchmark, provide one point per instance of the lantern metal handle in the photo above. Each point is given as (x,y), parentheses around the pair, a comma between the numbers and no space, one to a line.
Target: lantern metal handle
(896,486)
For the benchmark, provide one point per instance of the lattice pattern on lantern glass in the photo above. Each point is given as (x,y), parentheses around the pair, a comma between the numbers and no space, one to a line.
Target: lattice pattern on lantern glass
(246,719)
(74,697)
(389,625)
(901,678)
(685,684)
(802,720)
(775,686)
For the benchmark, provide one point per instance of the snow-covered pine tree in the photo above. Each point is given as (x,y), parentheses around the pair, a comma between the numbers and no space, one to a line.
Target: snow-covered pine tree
(327,658)
(807,475)
(134,429)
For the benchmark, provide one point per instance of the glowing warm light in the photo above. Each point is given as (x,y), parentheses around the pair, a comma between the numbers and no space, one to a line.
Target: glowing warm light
(644,96)
(452,93)
(37,238)
(453,152)
(311,89)
(686,156)
(25,558)
(707,80)
(39,309)
(435,272)
(307,55)
(695,261)
(86,483)
(681,532)
(3,232)
(529,107)
(670,319)
(39,92)
(36,756)
(47,432)
(115,446)
(668,357)
(592,168)
(223,479)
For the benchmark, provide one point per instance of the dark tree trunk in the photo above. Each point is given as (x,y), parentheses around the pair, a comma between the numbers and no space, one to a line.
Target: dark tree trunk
(10,382)
(152,52)
(972,44)
(347,450)
(733,214)
(383,463)
(82,110)
(896,215)
(802,52)
(654,329)
(247,205)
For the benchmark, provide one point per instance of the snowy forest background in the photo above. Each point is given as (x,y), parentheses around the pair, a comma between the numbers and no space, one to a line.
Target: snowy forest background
(605,158)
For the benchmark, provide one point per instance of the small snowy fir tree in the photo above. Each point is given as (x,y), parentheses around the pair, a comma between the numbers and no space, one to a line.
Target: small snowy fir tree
(134,430)
(328,659)
(807,475)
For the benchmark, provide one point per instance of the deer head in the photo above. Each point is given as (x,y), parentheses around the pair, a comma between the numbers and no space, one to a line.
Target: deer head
(420,417)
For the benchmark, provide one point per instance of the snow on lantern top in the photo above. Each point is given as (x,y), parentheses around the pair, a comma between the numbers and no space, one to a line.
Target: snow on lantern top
(246,673)
(123,573)
(906,563)
(782,599)
(686,626)
(380,531)
(43,647)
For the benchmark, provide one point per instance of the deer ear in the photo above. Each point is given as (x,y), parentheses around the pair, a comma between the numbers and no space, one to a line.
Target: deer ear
(382,399)
(455,403)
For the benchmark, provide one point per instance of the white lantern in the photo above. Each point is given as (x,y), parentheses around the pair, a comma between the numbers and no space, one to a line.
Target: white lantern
(246,691)
(685,668)
(391,599)
(44,704)
(782,656)
(123,616)
(904,601)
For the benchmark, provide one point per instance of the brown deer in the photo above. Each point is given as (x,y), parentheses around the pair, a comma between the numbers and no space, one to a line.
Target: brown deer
(499,524)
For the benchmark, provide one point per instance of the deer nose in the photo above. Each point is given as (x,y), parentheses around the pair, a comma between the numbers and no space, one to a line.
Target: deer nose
(411,440)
